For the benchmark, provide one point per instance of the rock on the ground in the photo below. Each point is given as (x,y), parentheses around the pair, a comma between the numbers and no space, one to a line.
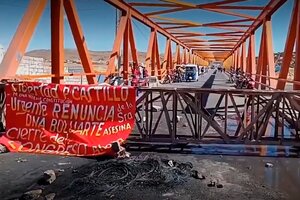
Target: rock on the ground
(268,165)
(31,195)
(49,176)
(196,175)
(50,196)
(3,149)
(185,124)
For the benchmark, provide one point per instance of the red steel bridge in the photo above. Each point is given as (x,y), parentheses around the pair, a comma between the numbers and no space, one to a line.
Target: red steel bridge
(269,114)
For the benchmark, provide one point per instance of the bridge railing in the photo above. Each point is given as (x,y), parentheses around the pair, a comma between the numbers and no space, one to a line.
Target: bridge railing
(230,116)
(188,115)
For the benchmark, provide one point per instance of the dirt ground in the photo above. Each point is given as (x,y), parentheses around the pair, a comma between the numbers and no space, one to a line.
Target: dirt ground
(241,178)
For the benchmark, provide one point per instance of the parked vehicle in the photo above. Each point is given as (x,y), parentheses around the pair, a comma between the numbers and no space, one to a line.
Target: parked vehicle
(153,81)
(191,73)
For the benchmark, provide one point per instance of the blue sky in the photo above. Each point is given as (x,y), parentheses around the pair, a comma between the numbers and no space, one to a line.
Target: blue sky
(98,20)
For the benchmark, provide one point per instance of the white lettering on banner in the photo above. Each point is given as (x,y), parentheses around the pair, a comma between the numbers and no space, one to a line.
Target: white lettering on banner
(83,112)
(103,93)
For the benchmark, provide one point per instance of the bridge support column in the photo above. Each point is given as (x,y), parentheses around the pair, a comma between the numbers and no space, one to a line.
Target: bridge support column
(117,44)
(260,61)
(134,52)
(177,55)
(167,63)
(149,64)
(265,66)
(238,59)
(20,41)
(251,55)
(152,59)
(289,47)
(297,64)
(125,34)
(243,57)
(57,41)
(79,40)
(269,52)
(184,55)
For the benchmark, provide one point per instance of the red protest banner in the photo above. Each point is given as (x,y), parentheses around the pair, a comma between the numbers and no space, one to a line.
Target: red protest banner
(73,120)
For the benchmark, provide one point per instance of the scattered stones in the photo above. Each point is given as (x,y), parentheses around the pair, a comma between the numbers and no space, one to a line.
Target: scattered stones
(50,196)
(31,195)
(196,175)
(3,149)
(49,177)
(21,160)
(211,184)
(269,165)
(123,153)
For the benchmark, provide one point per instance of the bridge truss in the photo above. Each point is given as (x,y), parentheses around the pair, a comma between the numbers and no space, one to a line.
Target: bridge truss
(228,45)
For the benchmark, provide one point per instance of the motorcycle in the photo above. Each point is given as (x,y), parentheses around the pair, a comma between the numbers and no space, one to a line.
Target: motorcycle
(243,82)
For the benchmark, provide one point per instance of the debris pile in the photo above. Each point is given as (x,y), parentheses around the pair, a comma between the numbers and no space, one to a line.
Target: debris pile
(112,175)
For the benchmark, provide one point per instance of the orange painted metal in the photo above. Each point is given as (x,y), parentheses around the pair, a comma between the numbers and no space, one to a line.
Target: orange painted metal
(126,52)
(297,64)
(224,46)
(177,60)
(134,52)
(57,41)
(238,59)
(170,56)
(251,57)
(289,47)
(149,60)
(269,53)
(20,41)
(152,59)
(125,7)
(243,57)
(157,58)
(184,56)
(270,8)
(260,59)
(79,40)
(117,44)
(166,64)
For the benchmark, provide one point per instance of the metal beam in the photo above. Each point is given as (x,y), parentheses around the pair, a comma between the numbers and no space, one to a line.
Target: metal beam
(272,6)
(143,19)
(20,41)
(79,39)
(57,40)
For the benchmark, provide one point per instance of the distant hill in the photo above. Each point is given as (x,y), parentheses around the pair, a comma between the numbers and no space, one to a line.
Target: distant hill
(72,54)
(103,56)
